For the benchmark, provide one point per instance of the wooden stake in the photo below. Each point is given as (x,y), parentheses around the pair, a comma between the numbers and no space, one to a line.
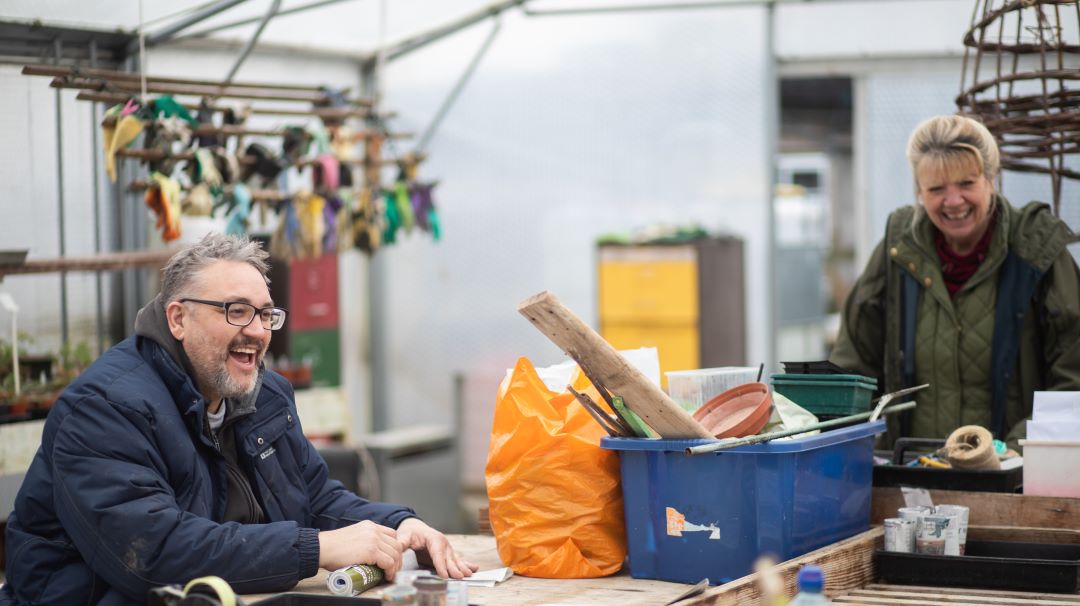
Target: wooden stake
(597,358)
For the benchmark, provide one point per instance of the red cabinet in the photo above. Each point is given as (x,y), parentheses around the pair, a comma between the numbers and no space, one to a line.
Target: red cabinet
(313,293)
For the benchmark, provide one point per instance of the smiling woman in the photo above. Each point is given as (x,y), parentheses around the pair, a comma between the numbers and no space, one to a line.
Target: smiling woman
(955,161)
(967,293)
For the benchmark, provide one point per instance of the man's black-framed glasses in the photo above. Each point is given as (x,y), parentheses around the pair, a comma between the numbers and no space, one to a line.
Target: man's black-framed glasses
(241,314)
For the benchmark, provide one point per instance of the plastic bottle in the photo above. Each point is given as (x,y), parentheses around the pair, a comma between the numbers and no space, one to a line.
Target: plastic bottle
(811,583)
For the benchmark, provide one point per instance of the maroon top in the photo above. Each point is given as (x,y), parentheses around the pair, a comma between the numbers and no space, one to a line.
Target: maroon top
(958,269)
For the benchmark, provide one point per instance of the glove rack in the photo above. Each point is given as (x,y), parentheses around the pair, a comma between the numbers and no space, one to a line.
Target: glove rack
(332,107)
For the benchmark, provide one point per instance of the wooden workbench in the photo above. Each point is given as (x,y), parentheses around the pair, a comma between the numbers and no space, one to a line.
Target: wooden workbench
(849,567)
(617,590)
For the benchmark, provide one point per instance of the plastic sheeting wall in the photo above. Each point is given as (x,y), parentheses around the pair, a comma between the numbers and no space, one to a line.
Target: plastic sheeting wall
(630,121)
(894,101)
(31,206)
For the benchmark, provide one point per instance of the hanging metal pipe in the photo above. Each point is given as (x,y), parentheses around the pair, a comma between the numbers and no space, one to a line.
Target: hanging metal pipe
(458,87)
(58,49)
(166,34)
(412,43)
(99,301)
(289,11)
(274,6)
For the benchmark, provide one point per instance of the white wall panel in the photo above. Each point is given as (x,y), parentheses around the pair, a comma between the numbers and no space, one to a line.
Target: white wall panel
(629,121)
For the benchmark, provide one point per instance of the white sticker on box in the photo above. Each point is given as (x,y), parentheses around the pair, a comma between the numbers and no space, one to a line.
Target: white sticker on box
(914,497)
(677,525)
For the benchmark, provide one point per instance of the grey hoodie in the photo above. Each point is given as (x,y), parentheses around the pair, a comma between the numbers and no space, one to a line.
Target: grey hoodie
(241,504)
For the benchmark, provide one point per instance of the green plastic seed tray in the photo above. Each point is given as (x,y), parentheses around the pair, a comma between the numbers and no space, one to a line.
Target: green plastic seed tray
(826,395)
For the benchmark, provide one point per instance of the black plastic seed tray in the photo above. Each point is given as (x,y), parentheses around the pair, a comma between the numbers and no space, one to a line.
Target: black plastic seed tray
(1046,567)
(897,473)
(818,367)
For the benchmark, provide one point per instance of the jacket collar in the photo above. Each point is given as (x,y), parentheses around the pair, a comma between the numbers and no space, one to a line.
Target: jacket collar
(167,355)
(911,246)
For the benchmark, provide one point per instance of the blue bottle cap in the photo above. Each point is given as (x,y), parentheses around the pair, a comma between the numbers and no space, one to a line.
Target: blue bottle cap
(811,579)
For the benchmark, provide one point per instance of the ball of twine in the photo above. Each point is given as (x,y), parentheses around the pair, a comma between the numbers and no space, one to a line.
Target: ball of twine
(971,447)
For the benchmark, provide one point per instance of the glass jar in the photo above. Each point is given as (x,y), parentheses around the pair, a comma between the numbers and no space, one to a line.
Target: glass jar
(430,591)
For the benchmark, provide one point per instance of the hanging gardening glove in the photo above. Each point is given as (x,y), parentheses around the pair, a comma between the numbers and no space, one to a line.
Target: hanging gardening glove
(327,173)
(258,160)
(320,139)
(424,207)
(346,236)
(309,210)
(343,142)
(161,134)
(118,132)
(420,196)
(206,170)
(330,215)
(367,235)
(163,198)
(241,208)
(199,201)
(165,107)
(226,165)
(284,240)
(205,117)
(393,220)
(295,142)
(404,205)
(434,223)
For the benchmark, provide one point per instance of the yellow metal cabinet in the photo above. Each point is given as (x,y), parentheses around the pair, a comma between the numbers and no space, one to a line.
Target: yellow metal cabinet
(687,300)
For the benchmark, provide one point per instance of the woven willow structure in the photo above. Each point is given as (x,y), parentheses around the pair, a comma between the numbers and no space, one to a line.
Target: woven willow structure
(1020,78)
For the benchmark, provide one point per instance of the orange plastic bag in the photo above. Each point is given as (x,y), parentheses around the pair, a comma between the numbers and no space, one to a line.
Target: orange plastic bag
(555,501)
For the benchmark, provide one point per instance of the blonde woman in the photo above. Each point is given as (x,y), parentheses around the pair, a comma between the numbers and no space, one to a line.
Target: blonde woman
(967,293)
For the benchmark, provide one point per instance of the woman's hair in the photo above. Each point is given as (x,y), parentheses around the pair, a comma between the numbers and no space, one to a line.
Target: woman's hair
(950,143)
(184,267)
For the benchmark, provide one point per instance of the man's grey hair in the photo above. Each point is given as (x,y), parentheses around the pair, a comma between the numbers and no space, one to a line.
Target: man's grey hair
(184,267)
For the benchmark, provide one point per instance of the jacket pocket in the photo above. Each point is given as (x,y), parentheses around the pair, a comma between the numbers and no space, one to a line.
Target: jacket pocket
(277,474)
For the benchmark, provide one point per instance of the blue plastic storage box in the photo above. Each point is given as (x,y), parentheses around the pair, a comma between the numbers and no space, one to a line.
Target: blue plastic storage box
(712,515)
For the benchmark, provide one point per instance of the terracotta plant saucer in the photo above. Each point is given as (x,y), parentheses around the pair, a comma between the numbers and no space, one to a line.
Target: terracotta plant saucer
(738,412)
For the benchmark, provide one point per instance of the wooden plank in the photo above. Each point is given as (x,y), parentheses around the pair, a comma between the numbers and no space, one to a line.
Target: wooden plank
(897,601)
(971,591)
(101,262)
(598,359)
(897,595)
(989,508)
(848,565)
(107,74)
(1069,536)
(322,112)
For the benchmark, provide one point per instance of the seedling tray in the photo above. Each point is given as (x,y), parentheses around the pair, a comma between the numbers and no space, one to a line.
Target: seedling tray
(1018,566)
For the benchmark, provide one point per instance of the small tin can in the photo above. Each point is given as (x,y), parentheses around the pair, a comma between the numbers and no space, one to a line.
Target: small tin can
(354,580)
(399,595)
(937,535)
(913,513)
(900,535)
(961,512)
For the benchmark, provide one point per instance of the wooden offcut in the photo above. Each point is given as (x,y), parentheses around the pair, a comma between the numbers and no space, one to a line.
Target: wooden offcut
(599,360)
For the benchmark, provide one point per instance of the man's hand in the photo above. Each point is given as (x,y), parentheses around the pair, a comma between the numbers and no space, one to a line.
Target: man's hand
(432,547)
(361,543)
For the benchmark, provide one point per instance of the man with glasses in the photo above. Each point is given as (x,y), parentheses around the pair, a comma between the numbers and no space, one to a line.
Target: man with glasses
(177,455)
